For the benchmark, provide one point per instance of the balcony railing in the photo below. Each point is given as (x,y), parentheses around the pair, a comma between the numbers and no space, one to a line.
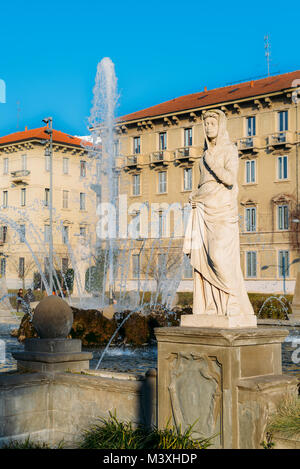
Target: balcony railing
(252,143)
(284,138)
(133,161)
(161,157)
(185,153)
(20,176)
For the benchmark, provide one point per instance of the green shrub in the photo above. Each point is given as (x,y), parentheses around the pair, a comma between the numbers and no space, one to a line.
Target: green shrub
(113,434)
(273,308)
(38,295)
(185,298)
(28,444)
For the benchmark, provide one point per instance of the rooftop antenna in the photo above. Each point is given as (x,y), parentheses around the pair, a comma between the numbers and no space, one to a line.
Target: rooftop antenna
(18,114)
(267,51)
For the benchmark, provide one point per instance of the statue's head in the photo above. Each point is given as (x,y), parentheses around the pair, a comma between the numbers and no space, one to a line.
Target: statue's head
(215,124)
(211,124)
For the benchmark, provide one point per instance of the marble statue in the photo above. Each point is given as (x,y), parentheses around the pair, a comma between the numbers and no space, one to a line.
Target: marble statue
(212,235)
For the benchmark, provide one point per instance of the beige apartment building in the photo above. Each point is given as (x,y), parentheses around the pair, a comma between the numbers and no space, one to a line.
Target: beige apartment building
(158,152)
(162,146)
(24,211)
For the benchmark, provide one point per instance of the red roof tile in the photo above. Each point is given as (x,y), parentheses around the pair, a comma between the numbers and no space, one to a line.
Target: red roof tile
(217,96)
(40,134)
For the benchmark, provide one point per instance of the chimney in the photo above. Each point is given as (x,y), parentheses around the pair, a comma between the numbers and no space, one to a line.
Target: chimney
(205,88)
(26,128)
(251,84)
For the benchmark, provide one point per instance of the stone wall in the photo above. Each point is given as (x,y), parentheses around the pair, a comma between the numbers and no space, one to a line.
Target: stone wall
(54,407)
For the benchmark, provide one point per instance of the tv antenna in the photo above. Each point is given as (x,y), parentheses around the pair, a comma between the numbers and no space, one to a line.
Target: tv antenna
(267,51)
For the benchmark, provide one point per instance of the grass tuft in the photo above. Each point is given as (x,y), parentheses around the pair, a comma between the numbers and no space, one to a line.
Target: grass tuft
(112,434)
(286,420)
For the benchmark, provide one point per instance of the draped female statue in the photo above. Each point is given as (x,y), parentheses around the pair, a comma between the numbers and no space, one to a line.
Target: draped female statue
(212,235)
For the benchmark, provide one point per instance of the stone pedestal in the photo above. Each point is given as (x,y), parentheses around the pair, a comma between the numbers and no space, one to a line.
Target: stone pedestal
(52,355)
(219,322)
(228,380)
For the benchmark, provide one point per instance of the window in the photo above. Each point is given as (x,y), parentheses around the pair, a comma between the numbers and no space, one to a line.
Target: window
(187,268)
(82,201)
(250,171)
(65,234)
(5,165)
(47,233)
(22,233)
(116,183)
(65,199)
(21,266)
(3,233)
(138,224)
(136,184)
(163,140)
(188,137)
(162,263)
(64,264)
(161,224)
(47,195)
(283,217)
(251,260)
(65,165)
(23,197)
(251,219)
(282,167)
(82,231)
(135,265)
(98,199)
(283,264)
(162,182)
(188,179)
(24,162)
(136,145)
(282,121)
(3,267)
(250,126)
(83,169)
(5,199)
(116,148)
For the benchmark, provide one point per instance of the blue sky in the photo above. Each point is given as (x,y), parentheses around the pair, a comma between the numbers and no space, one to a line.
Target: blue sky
(161,49)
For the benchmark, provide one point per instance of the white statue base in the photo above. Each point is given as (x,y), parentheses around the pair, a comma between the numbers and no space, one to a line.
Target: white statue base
(219,322)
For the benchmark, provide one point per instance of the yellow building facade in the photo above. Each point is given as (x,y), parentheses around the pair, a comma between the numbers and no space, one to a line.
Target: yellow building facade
(161,147)
(24,192)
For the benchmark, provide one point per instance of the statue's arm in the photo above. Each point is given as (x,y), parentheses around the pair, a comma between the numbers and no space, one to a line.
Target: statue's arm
(227,174)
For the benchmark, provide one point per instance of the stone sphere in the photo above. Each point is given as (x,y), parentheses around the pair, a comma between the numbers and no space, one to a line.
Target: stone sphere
(53,318)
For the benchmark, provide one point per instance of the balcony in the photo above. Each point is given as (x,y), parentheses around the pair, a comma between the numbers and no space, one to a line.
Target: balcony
(160,158)
(133,162)
(249,144)
(283,139)
(185,154)
(20,177)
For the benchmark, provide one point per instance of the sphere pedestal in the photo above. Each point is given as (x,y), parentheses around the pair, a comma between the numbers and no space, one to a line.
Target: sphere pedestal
(53,319)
